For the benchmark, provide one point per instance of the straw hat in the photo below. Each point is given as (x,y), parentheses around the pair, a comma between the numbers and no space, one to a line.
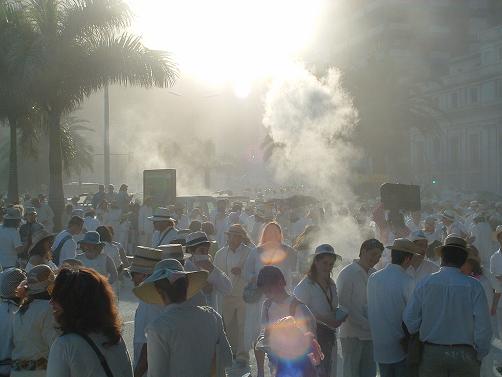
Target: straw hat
(38,237)
(173,251)
(403,244)
(160,214)
(9,281)
(40,279)
(452,240)
(238,230)
(144,260)
(196,239)
(12,213)
(172,270)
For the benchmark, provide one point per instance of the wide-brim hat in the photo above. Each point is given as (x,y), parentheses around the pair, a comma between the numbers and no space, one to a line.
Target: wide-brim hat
(144,260)
(173,251)
(405,245)
(160,214)
(326,249)
(12,213)
(196,239)
(448,214)
(91,238)
(452,240)
(170,269)
(38,237)
(9,281)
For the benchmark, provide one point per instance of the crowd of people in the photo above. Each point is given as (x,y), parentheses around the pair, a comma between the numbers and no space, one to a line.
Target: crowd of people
(420,298)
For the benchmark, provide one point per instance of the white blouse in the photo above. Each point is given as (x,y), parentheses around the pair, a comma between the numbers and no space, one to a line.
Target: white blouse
(71,356)
(312,295)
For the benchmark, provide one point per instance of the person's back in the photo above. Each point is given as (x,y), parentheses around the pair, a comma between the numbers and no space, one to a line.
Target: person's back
(182,341)
(7,310)
(76,358)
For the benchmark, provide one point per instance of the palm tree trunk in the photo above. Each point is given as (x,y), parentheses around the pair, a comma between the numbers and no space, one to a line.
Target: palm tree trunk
(56,195)
(13,191)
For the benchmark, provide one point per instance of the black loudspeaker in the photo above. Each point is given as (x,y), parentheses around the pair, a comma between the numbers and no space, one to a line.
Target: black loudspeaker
(395,196)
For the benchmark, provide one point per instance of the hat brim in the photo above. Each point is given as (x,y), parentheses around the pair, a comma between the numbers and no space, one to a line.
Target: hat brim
(439,249)
(147,292)
(338,258)
(174,256)
(157,218)
(404,250)
(199,243)
(32,246)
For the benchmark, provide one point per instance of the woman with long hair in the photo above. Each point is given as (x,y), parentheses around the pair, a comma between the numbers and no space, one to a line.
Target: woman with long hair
(317,290)
(34,328)
(84,306)
(40,250)
(271,251)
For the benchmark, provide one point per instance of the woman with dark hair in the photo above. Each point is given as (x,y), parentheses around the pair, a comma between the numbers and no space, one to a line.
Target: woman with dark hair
(318,291)
(34,328)
(271,251)
(10,241)
(85,308)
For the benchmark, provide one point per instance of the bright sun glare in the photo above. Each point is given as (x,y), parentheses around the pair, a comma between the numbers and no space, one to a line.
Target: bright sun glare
(233,42)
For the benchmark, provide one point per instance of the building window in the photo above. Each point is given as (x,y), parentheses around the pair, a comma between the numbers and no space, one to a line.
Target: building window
(454,100)
(498,88)
(473,95)
(454,151)
(474,151)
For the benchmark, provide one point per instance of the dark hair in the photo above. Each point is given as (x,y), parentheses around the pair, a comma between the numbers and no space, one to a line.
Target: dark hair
(398,257)
(11,223)
(372,243)
(312,273)
(208,228)
(75,220)
(453,256)
(88,304)
(104,233)
(195,226)
(270,276)
(39,249)
(177,291)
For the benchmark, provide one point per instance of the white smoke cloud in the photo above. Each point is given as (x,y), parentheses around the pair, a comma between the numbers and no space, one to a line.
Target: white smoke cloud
(313,119)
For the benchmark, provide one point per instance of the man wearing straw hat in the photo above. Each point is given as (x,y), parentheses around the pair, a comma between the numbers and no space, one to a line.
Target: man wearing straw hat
(174,251)
(449,310)
(389,290)
(163,224)
(231,259)
(143,262)
(420,267)
(172,350)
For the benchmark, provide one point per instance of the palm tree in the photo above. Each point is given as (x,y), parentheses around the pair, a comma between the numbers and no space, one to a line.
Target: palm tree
(80,47)
(16,105)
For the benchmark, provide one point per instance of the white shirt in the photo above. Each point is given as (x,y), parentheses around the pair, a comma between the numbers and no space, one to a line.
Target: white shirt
(102,264)
(496,269)
(34,331)
(352,285)
(226,260)
(71,356)
(277,311)
(389,290)
(312,295)
(449,307)
(91,223)
(165,237)
(175,352)
(113,252)
(9,241)
(7,310)
(69,249)
(483,241)
(144,315)
(425,269)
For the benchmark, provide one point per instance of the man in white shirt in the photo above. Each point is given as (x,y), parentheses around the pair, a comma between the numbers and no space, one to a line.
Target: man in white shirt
(163,224)
(420,267)
(450,312)
(231,260)
(65,246)
(389,290)
(220,221)
(453,226)
(355,334)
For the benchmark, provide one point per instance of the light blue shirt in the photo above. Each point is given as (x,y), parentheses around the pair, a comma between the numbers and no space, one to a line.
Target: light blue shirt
(449,308)
(389,290)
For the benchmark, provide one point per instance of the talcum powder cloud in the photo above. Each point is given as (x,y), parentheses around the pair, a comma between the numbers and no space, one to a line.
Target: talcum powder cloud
(313,119)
